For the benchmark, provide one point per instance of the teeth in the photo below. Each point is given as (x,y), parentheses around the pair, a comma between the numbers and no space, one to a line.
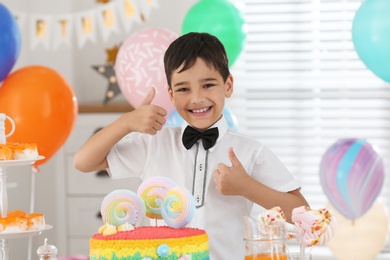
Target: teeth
(200,110)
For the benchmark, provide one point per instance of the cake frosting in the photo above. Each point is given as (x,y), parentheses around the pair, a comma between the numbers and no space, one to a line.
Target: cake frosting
(123,237)
(151,243)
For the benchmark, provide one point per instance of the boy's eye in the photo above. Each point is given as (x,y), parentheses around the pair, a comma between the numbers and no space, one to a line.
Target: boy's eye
(182,89)
(208,85)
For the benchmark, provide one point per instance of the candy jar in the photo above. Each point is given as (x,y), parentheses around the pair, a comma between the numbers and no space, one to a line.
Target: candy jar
(264,241)
(47,252)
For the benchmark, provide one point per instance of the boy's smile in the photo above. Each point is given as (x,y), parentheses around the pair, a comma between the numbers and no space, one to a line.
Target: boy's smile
(199,93)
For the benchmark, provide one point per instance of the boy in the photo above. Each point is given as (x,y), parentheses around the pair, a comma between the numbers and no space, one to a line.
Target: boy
(227,172)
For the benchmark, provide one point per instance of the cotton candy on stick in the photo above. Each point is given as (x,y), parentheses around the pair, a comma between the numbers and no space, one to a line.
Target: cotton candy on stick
(272,215)
(315,227)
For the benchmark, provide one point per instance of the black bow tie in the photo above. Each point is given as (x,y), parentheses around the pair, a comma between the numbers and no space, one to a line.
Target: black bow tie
(191,136)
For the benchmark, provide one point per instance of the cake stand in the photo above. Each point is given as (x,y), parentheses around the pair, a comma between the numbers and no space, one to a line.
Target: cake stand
(4,164)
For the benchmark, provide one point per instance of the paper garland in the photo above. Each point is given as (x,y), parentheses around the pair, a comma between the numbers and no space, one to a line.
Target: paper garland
(53,31)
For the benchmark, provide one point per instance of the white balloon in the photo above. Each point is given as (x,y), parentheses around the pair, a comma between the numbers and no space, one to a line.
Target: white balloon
(363,238)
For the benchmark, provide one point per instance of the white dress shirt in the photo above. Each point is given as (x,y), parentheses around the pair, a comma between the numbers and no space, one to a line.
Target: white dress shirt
(163,154)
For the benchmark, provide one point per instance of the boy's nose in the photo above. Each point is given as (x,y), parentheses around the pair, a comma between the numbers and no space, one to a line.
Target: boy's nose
(197,97)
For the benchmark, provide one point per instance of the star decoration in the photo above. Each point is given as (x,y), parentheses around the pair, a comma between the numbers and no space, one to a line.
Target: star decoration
(108,72)
(111,54)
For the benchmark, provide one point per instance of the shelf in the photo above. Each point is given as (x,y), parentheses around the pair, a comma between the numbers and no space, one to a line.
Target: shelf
(105,108)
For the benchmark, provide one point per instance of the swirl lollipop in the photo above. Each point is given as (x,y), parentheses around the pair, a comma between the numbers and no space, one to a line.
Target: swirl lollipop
(122,207)
(178,207)
(153,191)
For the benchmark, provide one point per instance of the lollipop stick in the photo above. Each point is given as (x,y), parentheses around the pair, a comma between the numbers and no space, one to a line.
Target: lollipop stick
(302,249)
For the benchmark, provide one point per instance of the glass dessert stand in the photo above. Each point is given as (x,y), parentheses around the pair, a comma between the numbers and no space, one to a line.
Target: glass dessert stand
(4,164)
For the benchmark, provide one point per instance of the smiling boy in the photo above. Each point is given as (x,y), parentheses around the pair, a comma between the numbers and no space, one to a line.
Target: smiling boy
(226,171)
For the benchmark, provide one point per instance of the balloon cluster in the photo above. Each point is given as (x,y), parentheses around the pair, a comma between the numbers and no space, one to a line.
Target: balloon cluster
(38,99)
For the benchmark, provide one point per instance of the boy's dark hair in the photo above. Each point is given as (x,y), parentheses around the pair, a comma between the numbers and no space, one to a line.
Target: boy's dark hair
(187,48)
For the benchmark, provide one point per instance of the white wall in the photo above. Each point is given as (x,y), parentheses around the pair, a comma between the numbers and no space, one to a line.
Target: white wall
(74,65)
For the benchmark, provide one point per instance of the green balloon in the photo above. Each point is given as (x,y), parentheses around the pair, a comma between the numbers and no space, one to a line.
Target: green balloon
(221,19)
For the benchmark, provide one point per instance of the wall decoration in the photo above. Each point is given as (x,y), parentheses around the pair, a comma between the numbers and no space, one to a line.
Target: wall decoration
(115,17)
(107,71)
(111,54)
(103,1)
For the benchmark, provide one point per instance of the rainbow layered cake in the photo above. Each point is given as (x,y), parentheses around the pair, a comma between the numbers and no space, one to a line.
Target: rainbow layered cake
(123,238)
(151,243)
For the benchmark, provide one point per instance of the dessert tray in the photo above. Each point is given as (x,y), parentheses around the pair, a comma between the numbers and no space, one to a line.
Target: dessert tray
(4,248)
(27,233)
(21,162)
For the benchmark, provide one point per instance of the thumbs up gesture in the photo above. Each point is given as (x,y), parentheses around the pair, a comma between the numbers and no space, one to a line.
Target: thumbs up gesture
(146,118)
(231,180)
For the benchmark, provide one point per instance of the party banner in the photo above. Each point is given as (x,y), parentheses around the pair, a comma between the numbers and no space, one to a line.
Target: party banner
(107,21)
(53,31)
(40,28)
(129,12)
(62,31)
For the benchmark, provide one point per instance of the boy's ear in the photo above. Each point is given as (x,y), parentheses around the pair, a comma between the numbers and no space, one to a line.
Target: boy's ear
(170,93)
(229,86)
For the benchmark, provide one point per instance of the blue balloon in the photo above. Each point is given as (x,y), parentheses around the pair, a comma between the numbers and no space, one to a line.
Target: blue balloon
(10,41)
(174,119)
(371,37)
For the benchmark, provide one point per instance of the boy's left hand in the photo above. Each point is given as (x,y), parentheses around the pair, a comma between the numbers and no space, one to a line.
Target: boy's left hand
(231,180)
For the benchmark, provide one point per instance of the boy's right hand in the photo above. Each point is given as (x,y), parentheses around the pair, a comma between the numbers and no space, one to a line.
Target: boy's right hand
(146,118)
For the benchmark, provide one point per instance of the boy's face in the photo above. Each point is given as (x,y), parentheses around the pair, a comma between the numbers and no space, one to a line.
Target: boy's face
(199,93)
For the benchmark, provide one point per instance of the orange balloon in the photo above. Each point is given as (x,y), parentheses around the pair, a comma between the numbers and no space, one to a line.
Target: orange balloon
(43,107)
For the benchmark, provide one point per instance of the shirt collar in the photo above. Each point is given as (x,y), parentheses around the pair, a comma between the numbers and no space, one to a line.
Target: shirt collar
(221,124)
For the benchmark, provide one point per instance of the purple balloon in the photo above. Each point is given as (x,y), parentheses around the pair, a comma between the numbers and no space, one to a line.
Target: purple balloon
(352,174)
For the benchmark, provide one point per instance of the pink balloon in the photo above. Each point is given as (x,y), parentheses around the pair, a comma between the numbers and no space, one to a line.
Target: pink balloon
(139,66)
